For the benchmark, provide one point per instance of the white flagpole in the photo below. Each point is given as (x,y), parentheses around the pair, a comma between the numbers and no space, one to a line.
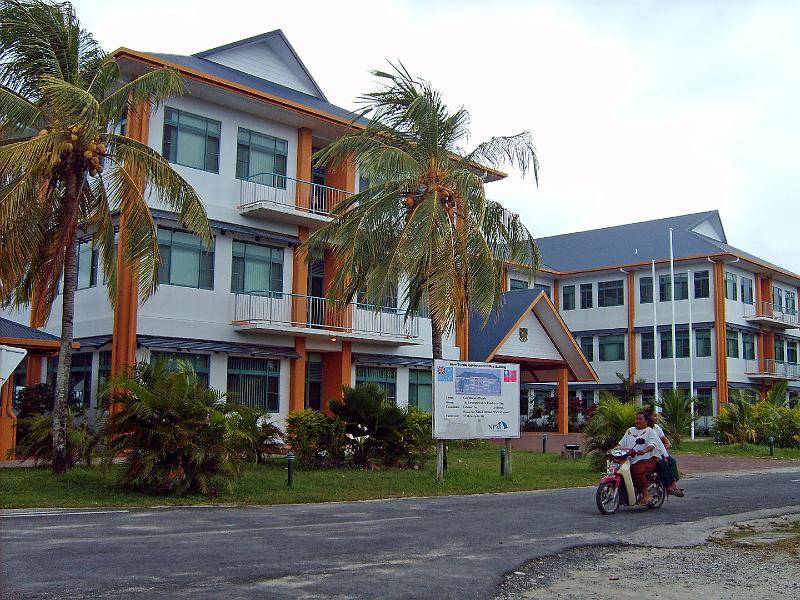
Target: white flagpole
(672,286)
(656,345)
(690,283)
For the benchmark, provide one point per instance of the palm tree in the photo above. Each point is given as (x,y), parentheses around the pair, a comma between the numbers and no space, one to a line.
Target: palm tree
(676,414)
(425,217)
(76,173)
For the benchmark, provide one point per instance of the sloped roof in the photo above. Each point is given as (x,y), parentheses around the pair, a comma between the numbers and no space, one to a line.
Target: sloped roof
(18,331)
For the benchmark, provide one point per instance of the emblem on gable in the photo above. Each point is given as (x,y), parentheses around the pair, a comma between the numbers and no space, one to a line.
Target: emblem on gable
(523,334)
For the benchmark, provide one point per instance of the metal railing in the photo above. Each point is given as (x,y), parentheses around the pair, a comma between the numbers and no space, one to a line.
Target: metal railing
(769,310)
(321,313)
(289,192)
(769,367)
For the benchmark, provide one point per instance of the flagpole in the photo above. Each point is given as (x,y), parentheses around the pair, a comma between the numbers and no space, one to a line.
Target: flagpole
(672,286)
(656,345)
(691,347)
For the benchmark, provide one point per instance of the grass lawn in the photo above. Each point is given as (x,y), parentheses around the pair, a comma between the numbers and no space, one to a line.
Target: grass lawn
(471,471)
(709,448)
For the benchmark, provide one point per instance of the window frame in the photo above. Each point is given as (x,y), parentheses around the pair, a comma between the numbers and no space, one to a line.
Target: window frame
(587,295)
(681,343)
(268,377)
(746,288)
(606,342)
(568,292)
(702,284)
(171,154)
(731,285)
(731,343)
(610,293)
(275,178)
(647,343)
(275,282)
(379,375)
(748,346)
(646,290)
(589,343)
(414,386)
(515,284)
(205,260)
(705,334)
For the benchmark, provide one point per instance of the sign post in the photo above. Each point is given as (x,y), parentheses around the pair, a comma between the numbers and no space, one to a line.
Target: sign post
(475,400)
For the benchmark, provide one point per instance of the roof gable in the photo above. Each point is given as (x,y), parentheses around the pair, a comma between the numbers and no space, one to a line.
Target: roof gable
(267,56)
(711,227)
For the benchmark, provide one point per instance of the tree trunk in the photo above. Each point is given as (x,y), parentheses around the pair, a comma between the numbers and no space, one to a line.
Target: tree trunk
(60,404)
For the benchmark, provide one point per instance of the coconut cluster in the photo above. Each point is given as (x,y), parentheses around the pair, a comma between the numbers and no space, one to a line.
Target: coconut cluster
(77,149)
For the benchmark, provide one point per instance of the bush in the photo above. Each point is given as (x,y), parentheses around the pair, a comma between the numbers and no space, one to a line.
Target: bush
(779,422)
(37,442)
(676,415)
(605,428)
(735,422)
(316,440)
(34,400)
(374,426)
(418,436)
(266,437)
(177,435)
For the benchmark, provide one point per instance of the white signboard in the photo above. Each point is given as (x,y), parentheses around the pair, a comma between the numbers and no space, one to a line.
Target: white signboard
(475,400)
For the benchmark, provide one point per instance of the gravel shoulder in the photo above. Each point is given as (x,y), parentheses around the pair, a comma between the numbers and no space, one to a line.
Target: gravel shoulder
(728,567)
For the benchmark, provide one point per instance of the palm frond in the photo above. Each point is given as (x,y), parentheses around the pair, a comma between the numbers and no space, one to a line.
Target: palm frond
(17,112)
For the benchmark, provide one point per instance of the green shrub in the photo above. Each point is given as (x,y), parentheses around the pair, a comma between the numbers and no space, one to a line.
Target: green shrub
(676,415)
(779,422)
(607,426)
(37,443)
(34,400)
(375,427)
(735,422)
(316,440)
(266,437)
(418,436)
(177,435)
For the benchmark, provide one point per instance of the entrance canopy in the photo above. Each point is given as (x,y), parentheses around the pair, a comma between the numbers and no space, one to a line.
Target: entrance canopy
(527,329)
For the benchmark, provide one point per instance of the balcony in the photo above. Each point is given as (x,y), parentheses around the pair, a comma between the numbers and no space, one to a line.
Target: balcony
(282,198)
(292,314)
(773,370)
(766,313)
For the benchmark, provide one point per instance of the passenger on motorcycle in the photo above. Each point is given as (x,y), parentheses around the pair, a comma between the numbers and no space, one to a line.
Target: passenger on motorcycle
(667,467)
(643,441)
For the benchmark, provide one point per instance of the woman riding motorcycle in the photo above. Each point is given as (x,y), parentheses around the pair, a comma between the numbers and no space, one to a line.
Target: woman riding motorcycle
(644,441)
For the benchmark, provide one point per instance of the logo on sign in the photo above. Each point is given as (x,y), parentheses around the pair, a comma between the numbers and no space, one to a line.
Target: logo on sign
(499,426)
(509,376)
(444,373)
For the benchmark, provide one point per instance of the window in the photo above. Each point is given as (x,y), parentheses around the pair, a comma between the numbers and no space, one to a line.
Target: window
(191,140)
(702,343)
(254,382)
(586,295)
(665,289)
(705,402)
(645,290)
(256,268)
(730,286)
(539,287)
(731,343)
(386,377)
(587,347)
(701,284)
(779,350)
(568,297)
(791,352)
(648,396)
(748,346)
(199,362)
(261,158)
(80,378)
(87,265)
(681,344)
(185,260)
(104,370)
(791,302)
(612,347)
(420,389)
(518,284)
(648,347)
(610,293)
(777,298)
(747,290)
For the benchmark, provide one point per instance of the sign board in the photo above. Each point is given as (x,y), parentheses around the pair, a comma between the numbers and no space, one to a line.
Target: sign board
(475,400)
(10,357)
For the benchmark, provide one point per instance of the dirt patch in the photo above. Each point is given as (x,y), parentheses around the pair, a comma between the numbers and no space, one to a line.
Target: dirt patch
(722,569)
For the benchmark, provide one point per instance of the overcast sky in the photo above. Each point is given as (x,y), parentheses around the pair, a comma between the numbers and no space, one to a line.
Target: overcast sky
(638,109)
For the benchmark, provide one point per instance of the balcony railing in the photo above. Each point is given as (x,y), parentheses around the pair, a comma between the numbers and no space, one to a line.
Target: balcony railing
(288,192)
(263,308)
(769,312)
(769,368)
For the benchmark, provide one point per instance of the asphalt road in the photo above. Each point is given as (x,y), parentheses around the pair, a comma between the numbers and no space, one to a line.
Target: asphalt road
(452,547)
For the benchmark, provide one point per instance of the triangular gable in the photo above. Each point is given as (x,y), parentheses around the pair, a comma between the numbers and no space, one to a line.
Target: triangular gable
(711,227)
(268,56)
(519,308)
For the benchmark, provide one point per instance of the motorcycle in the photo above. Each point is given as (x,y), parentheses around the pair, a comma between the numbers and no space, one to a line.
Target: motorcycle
(616,487)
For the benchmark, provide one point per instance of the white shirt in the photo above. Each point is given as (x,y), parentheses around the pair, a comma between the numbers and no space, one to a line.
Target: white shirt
(661,447)
(639,439)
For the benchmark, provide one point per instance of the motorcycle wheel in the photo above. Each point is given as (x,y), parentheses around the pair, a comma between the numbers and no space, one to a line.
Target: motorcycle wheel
(607,498)
(659,494)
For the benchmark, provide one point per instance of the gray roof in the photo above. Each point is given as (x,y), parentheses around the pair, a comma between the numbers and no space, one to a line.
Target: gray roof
(636,243)
(484,339)
(154,341)
(262,85)
(12,329)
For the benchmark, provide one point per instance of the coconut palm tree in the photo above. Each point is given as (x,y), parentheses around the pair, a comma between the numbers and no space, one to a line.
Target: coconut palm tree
(63,169)
(425,217)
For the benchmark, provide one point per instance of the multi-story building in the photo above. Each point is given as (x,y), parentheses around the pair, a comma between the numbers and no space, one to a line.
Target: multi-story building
(742,309)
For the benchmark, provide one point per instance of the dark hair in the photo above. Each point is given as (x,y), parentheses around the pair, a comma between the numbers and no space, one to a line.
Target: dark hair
(648,415)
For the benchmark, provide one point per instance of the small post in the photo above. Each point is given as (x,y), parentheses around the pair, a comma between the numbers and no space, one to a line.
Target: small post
(290,468)
(439,459)
(771,442)
(544,443)
(502,461)
(508,458)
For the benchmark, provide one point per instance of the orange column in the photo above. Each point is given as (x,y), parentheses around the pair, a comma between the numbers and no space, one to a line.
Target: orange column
(342,178)
(297,377)
(304,152)
(462,340)
(336,372)
(631,334)
(556,295)
(126,309)
(34,366)
(563,400)
(760,336)
(719,334)
(505,279)
(8,421)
